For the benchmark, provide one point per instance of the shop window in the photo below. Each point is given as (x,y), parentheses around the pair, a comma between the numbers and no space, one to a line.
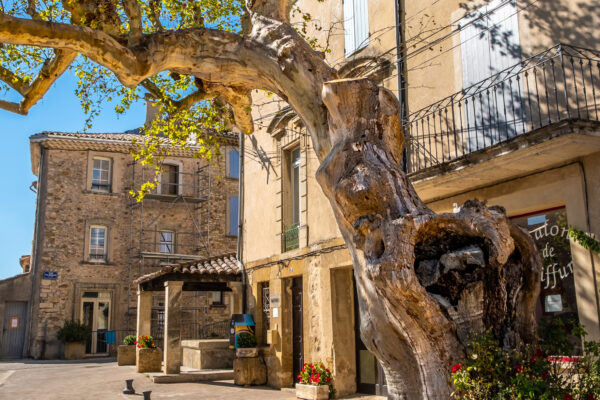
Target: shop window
(550,232)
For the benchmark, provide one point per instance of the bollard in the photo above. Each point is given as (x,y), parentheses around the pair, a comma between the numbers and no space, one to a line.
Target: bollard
(147,394)
(129,387)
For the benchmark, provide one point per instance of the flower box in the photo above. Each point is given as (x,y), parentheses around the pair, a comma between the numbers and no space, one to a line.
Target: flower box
(74,350)
(148,359)
(126,354)
(312,392)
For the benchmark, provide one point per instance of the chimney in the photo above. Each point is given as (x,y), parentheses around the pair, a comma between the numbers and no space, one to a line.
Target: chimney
(151,109)
(25,262)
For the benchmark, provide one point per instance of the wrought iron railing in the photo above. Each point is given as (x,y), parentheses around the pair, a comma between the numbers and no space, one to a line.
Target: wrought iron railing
(560,83)
(290,238)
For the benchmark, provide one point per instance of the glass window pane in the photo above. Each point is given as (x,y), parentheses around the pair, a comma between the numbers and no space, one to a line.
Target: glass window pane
(234,164)
(166,242)
(101,175)
(97,243)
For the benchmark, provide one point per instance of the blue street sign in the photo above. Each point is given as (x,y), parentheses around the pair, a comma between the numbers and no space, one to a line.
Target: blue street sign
(51,275)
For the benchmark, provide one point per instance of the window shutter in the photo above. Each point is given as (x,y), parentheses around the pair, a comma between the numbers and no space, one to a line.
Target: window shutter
(361,24)
(505,50)
(349,27)
(475,48)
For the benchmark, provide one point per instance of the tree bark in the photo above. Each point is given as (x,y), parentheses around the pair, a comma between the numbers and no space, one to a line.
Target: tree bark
(425,282)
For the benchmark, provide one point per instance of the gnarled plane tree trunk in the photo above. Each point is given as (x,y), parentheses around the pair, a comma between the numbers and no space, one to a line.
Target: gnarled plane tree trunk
(425,281)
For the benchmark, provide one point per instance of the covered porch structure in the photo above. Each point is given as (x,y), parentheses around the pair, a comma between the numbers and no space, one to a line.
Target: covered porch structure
(217,274)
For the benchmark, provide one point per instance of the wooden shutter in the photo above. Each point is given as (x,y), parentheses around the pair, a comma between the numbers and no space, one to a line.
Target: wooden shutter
(475,48)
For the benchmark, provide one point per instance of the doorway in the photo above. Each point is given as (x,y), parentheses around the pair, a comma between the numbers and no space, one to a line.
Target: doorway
(370,378)
(95,314)
(13,335)
(297,334)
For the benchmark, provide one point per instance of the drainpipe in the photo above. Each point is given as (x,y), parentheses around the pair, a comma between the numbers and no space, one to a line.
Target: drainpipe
(400,66)
(240,241)
(34,254)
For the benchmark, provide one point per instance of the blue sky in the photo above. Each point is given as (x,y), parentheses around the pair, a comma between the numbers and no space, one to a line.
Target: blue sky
(59,110)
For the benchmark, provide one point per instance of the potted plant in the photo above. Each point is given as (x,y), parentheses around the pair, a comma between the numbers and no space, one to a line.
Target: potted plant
(246,345)
(148,357)
(314,382)
(74,335)
(126,351)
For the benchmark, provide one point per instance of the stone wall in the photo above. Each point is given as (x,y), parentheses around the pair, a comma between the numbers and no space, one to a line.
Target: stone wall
(68,207)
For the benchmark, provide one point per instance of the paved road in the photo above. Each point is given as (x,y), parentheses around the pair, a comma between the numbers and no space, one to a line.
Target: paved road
(104,380)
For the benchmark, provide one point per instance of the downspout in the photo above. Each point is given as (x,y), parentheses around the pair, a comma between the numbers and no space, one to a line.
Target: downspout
(401,68)
(34,255)
(240,241)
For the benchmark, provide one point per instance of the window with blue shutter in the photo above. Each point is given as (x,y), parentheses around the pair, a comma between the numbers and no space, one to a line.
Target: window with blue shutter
(356,25)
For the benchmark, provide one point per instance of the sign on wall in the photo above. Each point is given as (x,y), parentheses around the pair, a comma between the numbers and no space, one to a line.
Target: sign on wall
(14,322)
(51,275)
(275,300)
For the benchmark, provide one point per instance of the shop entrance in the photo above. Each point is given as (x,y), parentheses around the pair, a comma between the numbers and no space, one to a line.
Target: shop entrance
(297,334)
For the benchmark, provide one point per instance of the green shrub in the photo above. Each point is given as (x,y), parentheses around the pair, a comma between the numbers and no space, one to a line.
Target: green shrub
(129,340)
(73,331)
(246,340)
(489,372)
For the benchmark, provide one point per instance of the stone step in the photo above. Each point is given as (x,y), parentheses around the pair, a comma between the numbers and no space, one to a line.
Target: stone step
(193,376)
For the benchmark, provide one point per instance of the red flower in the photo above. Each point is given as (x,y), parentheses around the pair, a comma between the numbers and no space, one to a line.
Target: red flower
(567,396)
(519,369)
(591,396)
(326,370)
(456,367)
(328,379)
(304,369)
(540,353)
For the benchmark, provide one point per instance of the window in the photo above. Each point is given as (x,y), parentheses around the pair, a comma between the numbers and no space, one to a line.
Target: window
(266,310)
(232,217)
(233,164)
(356,25)
(292,199)
(101,175)
(550,231)
(166,242)
(98,244)
(169,180)
(217,298)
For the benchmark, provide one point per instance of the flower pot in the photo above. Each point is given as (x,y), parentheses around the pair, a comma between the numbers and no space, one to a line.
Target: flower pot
(74,350)
(126,354)
(312,392)
(246,352)
(148,359)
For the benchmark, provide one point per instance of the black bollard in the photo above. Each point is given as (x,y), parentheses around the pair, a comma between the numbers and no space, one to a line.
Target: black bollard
(147,394)
(129,387)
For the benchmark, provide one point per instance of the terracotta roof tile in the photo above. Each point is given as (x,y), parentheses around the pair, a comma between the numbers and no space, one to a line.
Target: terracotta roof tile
(221,265)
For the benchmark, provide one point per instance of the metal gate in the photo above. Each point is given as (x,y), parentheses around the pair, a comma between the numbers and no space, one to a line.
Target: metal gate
(13,336)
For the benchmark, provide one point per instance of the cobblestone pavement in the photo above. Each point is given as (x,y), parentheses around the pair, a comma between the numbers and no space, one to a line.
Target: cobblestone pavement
(104,380)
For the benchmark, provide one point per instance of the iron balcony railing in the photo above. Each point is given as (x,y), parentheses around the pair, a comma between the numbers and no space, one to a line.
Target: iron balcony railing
(558,84)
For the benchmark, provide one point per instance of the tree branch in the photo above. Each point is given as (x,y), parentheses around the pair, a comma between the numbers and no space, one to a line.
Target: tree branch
(132,9)
(276,9)
(13,81)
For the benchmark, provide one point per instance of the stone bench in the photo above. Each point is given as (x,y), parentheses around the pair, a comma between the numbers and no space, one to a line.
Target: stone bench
(207,354)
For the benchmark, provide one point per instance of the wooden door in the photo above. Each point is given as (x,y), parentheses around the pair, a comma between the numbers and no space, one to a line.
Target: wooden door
(297,334)
(13,336)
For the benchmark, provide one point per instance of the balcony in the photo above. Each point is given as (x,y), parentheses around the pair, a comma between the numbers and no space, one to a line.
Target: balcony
(526,102)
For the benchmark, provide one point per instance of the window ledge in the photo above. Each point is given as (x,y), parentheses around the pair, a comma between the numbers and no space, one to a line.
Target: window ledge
(108,264)
(218,306)
(87,191)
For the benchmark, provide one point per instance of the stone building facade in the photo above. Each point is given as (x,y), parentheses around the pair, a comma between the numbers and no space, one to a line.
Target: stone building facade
(92,239)
(533,151)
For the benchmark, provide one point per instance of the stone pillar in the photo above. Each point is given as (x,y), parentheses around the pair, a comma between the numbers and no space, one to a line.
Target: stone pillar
(236,297)
(144,312)
(172,345)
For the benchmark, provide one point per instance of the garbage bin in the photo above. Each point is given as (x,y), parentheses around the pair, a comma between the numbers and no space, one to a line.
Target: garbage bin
(241,324)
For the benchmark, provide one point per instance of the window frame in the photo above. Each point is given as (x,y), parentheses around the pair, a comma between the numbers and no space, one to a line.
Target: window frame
(160,241)
(109,185)
(179,169)
(91,257)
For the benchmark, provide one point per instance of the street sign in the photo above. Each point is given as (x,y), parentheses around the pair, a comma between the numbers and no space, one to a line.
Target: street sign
(51,275)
